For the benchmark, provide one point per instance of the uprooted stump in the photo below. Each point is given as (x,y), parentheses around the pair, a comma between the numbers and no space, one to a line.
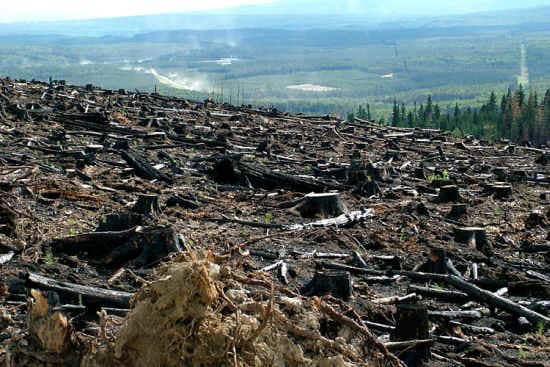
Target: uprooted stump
(320,206)
(199,314)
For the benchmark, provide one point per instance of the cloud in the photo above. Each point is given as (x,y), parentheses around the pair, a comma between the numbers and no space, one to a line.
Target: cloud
(33,10)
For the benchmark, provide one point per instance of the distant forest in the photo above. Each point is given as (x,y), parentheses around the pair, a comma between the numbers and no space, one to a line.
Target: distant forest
(517,115)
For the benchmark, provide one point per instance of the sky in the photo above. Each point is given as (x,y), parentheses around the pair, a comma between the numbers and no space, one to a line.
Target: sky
(36,10)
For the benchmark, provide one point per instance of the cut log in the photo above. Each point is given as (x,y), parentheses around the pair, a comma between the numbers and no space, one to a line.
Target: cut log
(448,194)
(462,314)
(147,205)
(447,295)
(337,283)
(320,206)
(472,328)
(92,297)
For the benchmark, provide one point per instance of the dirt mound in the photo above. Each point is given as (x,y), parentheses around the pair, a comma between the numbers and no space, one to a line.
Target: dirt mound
(201,314)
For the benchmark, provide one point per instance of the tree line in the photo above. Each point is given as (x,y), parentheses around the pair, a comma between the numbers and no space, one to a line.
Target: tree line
(518,116)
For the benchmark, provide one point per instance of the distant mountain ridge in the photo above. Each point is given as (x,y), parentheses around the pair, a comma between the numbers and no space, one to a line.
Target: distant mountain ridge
(305,14)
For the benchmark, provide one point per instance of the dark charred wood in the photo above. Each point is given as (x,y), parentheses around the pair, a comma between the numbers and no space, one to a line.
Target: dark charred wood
(449,194)
(231,171)
(337,284)
(535,219)
(92,297)
(458,211)
(143,168)
(135,247)
(411,323)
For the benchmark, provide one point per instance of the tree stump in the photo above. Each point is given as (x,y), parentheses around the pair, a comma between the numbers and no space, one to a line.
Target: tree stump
(535,219)
(320,206)
(147,205)
(501,191)
(336,283)
(412,324)
(448,194)
(367,189)
(476,237)
(458,211)
(419,173)
(501,173)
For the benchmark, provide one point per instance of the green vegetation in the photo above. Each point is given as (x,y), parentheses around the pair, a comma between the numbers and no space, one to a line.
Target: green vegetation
(439,177)
(518,117)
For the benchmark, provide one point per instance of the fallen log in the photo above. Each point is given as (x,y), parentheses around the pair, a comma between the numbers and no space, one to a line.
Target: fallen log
(232,171)
(343,220)
(497,301)
(439,293)
(92,297)
(143,168)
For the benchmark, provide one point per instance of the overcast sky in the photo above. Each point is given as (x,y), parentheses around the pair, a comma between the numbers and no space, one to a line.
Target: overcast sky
(32,10)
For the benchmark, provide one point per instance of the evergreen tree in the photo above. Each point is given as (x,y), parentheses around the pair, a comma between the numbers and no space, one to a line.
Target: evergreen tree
(395,117)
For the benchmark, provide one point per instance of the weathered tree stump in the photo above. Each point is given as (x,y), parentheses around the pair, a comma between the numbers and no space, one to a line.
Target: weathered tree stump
(367,189)
(448,193)
(535,219)
(419,173)
(147,205)
(458,211)
(412,324)
(8,221)
(336,283)
(543,158)
(501,191)
(475,237)
(501,173)
(320,206)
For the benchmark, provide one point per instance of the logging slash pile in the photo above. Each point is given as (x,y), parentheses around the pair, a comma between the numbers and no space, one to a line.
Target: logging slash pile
(143,230)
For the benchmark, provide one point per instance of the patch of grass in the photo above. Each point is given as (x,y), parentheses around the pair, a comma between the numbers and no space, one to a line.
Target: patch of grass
(439,177)
(48,258)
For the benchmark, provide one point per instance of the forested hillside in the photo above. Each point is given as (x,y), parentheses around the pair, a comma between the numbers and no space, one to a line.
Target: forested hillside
(517,115)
